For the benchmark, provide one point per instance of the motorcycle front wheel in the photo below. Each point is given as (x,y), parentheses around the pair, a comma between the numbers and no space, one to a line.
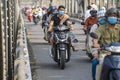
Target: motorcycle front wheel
(114,75)
(88,47)
(61,61)
(35,21)
(46,33)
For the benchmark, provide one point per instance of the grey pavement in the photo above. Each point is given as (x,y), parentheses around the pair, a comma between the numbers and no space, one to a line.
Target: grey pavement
(42,65)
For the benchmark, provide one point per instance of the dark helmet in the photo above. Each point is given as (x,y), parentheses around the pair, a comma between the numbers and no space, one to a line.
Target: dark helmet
(52,9)
(112,11)
(88,7)
(93,13)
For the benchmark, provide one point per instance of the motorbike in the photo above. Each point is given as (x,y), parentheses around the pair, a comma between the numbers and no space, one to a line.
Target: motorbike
(30,16)
(61,50)
(36,18)
(111,63)
(88,44)
(45,29)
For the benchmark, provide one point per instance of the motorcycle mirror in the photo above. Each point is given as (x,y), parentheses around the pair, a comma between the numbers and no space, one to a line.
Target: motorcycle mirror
(82,23)
(94,35)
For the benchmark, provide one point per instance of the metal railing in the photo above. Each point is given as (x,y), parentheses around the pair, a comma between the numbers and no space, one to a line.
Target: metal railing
(12,35)
(3,69)
(22,65)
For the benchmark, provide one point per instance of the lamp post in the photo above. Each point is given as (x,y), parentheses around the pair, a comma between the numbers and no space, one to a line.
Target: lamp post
(40,1)
(51,2)
(108,4)
(117,3)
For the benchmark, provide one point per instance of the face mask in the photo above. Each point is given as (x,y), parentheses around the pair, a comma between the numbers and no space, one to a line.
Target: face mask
(61,12)
(102,21)
(112,20)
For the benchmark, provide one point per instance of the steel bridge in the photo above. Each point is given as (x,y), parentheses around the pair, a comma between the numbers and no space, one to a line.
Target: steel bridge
(13,47)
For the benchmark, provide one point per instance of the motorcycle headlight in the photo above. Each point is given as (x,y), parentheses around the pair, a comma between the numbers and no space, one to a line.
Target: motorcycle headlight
(62,35)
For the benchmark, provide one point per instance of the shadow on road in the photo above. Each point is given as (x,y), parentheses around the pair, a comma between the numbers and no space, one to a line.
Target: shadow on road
(39,43)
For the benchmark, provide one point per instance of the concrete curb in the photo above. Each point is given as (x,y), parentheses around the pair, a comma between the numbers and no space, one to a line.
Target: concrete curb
(22,70)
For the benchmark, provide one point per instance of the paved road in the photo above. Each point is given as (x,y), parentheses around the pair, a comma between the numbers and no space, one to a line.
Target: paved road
(42,65)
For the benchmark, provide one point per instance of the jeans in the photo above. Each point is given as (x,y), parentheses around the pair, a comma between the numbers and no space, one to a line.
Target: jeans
(94,65)
(72,36)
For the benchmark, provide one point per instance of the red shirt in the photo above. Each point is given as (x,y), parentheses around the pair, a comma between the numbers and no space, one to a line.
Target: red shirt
(90,21)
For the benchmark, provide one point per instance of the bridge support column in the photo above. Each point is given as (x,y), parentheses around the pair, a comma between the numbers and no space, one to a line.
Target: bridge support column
(85,5)
(72,11)
(69,6)
(76,7)
(114,3)
(101,3)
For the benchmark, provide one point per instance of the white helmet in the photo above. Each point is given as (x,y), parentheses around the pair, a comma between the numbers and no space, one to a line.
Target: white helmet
(101,12)
(102,8)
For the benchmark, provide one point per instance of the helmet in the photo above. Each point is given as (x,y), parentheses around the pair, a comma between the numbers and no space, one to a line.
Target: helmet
(52,9)
(103,8)
(88,7)
(93,13)
(92,2)
(101,12)
(112,11)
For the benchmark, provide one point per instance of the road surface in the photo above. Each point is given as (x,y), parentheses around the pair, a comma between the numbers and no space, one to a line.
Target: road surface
(42,65)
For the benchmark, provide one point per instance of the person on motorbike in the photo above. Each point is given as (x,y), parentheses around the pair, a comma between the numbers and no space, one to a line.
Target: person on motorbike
(51,11)
(101,19)
(90,21)
(34,10)
(59,19)
(29,14)
(89,43)
(107,33)
(45,18)
(102,11)
(40,12)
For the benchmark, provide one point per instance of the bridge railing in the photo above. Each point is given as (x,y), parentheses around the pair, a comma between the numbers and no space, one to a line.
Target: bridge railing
(8,27)
(11,32)
(22,69)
